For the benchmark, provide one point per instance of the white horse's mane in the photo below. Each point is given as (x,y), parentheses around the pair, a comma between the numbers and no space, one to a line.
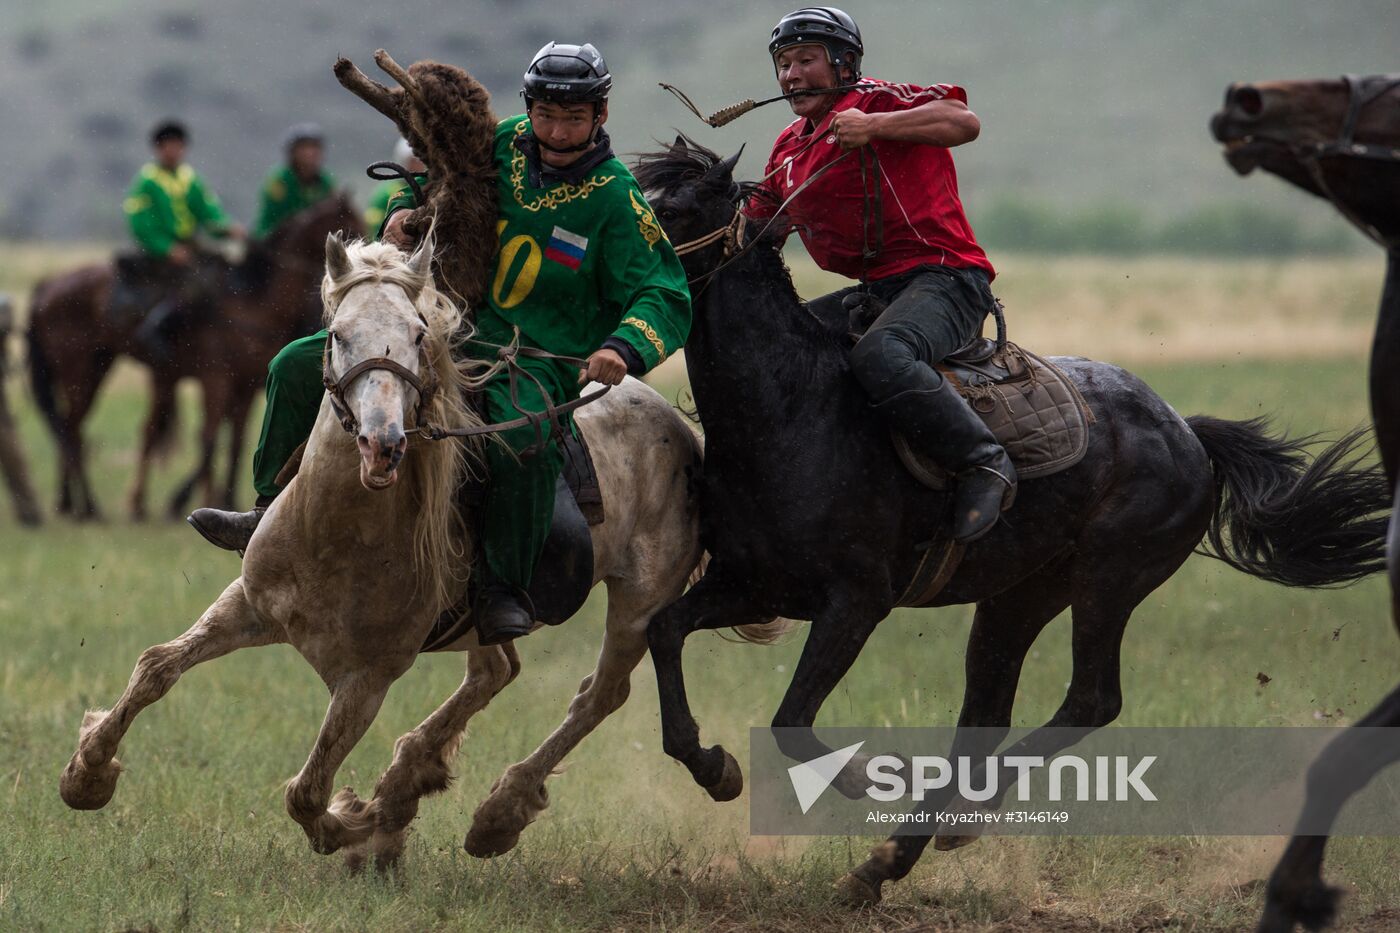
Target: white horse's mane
(435,469)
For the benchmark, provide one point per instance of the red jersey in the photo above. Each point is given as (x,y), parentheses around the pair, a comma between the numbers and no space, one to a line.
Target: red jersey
(923,217)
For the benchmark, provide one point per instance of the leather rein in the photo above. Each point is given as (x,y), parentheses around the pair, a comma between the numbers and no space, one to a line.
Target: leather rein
(1361,91)
(427,387)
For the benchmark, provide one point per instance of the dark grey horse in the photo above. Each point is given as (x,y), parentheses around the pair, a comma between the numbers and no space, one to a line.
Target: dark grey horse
(808,514)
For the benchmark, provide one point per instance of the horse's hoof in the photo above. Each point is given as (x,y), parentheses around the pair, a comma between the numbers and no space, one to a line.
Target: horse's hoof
(1313,908)
(949,843)
(85,788)
(730,783)
(355,859)
(489,843)
(854,891)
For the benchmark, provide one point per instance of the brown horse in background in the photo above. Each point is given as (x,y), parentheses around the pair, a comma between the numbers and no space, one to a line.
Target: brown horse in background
(73,343)
(1338,140)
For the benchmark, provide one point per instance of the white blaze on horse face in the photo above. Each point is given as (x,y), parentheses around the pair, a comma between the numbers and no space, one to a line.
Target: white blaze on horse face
(375,320)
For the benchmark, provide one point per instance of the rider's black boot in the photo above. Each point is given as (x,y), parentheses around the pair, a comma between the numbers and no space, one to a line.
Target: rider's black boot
(229,530)
(502,613)
(939,423)
(153,334)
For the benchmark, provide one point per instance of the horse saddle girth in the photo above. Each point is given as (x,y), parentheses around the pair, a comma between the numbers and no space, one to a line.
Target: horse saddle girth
(1030,405)
(564,573)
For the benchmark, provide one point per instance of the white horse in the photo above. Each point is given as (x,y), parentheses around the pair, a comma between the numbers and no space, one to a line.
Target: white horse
(324,571)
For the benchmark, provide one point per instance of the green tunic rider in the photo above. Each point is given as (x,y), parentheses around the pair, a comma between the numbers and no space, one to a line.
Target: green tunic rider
(583,270)
(296,185)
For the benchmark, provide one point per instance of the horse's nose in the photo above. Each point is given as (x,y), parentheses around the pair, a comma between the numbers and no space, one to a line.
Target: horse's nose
(1244,100)
(385,447)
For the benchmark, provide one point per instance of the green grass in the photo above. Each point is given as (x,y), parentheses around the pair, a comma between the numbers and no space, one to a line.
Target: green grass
(196,837)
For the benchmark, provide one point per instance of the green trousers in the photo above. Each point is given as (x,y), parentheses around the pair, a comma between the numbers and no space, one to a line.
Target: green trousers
(519,503)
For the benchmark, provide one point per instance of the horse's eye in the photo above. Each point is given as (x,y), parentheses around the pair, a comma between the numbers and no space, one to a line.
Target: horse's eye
(419,341)
(667,213)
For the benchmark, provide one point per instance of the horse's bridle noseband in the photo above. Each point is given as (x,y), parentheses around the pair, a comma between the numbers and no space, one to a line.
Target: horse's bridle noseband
(424,382)
(1361,91)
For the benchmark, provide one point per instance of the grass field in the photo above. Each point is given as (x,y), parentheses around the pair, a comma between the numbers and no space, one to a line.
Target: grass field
(196,837)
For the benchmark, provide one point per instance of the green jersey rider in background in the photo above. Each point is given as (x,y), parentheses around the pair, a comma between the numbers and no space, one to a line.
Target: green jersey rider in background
(296,185)
(166,205)
(386,191)
(583,270)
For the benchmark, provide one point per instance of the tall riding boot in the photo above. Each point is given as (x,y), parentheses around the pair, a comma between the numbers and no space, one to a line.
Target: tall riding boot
(938,422)
(502,612)
(153,334)
(229,530)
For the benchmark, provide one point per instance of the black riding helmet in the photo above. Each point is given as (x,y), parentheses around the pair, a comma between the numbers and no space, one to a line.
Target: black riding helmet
(567,74)
(825,26)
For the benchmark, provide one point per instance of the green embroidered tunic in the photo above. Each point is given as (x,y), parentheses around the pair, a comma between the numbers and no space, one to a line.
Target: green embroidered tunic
(284,194)
(579,264)
(166,207)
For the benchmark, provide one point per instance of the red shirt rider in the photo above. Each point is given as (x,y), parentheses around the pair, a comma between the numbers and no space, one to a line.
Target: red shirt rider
(922,215)
(907,240)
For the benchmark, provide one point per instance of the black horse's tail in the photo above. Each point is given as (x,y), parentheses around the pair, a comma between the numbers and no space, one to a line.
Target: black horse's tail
(1288,518)
(41,377)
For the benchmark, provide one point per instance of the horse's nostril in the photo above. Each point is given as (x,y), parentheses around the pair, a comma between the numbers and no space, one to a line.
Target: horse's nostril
(1249,101)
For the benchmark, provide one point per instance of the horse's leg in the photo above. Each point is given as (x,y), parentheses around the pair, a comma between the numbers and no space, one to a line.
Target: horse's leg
(80,394)
(157,424)
(1296,892)
(346,820)
(422,762)
(1003,630)
(13,464)
(91,776)
(835,640)
(213,392)
(711,603)
(238,426)
(519,795)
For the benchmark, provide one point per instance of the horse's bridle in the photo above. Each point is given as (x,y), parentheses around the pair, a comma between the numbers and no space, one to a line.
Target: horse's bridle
(426,384)
(1361,91)
(733,233)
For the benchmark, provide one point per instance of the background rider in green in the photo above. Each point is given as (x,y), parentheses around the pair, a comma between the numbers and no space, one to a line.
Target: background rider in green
(299,183)
(166,205)
(386,191)
(582,270)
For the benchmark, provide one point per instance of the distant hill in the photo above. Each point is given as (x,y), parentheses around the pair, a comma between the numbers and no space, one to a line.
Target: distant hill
(1081,102)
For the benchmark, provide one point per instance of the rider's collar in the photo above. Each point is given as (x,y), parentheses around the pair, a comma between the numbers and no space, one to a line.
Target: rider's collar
(575,172)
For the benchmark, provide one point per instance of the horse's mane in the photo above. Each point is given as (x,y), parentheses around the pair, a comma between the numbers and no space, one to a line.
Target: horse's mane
(441,539)
(685,161)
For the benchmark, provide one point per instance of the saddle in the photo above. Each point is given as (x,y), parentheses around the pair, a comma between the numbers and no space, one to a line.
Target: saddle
(1030,405)
(564,574)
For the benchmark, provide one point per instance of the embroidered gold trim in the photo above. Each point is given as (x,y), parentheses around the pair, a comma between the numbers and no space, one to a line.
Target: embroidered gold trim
(650,333)
(651,231)
(554,197)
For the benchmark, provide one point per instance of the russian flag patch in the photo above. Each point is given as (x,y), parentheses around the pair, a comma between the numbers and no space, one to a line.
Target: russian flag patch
(566,248)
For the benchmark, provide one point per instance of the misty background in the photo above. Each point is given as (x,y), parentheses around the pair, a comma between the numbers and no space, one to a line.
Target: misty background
(1094,113)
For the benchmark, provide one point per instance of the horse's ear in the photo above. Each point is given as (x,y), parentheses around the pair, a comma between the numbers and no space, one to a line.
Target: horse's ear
(337,259)
(421,262)
(680,143)
(722,172)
